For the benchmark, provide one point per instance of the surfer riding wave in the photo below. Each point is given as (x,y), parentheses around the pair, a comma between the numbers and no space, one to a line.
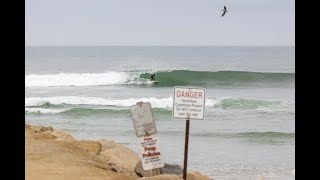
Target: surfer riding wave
(153,77)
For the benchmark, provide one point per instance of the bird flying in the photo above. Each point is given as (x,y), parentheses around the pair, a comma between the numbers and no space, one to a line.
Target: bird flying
(224,11)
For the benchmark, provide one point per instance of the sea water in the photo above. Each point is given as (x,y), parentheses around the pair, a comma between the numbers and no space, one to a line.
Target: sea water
(249,125)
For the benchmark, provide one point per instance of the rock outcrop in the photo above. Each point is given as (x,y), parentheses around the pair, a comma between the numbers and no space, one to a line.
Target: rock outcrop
(55,154)
(119,157)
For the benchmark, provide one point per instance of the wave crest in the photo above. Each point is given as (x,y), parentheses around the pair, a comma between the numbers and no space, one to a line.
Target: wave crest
(164,78)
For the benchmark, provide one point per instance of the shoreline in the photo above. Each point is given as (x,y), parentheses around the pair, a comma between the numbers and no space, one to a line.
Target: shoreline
(55,154)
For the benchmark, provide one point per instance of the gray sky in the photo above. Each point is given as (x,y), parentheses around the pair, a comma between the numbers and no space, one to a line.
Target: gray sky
(160,22)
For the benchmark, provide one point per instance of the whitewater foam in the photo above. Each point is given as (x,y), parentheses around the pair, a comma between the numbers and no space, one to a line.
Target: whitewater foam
(76,79)
(44,111)
(164,102)
(76,100)
(97,101)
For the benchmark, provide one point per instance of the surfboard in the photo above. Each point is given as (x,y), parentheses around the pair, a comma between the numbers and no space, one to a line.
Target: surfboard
(154,82)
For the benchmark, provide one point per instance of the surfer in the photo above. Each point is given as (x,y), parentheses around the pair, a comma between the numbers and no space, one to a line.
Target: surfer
(153,77)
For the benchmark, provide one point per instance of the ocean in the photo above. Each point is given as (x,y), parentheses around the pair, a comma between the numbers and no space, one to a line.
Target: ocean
(249,126)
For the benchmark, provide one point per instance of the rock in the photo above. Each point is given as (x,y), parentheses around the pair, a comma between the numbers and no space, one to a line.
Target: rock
(141,172)
(51,159)
(171,169)
(196,176)
(93,147)
(167,169)
(169,172)
(119,155)
(261,178)
(108,144)
(46,130)
(38,129)
(63,136)
(191,176)
(163,177)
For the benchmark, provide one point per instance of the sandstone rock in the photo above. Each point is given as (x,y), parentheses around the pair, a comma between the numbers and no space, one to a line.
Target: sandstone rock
(141,172)
(119,155)
(57,154)
(59,160)
(62,136)
(163,177)
(38,129)
(261,178)
(93,147)
(108,144)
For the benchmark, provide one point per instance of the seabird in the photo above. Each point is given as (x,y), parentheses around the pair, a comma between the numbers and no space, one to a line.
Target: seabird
(224,11)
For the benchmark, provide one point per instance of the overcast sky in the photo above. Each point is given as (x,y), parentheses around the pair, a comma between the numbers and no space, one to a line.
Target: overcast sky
(160,22)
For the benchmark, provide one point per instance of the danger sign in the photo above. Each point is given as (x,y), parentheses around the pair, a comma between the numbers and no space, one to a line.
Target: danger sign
(150,152)
(188,101)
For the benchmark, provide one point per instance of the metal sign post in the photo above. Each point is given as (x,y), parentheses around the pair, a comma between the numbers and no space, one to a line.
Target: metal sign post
(185,164)
(188,103)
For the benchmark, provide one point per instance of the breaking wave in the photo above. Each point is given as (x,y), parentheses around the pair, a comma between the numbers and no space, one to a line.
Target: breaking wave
(164,78)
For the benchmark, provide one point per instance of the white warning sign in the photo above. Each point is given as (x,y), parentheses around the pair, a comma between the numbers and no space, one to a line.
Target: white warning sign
(143,120)
(150,152)
(188,101)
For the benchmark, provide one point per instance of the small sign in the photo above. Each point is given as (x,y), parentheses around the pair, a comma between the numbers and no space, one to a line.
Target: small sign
(188,102)
(142,117)
(150,152)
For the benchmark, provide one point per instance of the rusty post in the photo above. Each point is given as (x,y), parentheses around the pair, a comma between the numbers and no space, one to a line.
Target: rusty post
(186,150)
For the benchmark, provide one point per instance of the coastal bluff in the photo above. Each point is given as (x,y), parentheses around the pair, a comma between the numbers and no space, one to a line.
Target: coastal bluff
(55,154)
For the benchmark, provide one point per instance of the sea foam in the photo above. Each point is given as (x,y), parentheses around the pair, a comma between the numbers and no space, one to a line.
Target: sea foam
(76,79)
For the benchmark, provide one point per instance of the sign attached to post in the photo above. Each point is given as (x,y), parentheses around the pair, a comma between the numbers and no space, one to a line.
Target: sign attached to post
(142,117)
(188,101)
(150,152)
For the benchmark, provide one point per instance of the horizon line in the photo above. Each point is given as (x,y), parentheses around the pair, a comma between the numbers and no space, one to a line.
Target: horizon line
(152,45)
